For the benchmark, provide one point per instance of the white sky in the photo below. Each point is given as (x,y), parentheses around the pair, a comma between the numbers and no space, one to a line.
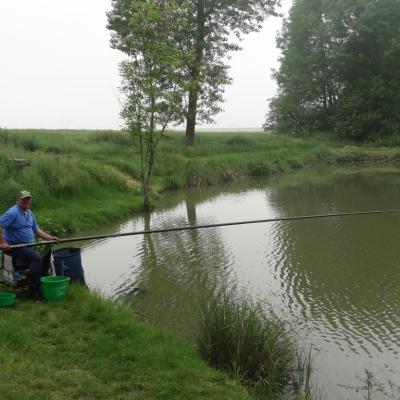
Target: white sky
(57,69)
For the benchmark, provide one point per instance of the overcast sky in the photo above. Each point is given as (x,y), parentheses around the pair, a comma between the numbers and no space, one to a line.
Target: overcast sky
(57,69)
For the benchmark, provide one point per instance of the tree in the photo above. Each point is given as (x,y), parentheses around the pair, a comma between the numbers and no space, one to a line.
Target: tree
(307,85)
(150,82)
(367,63)
(338,69)
(208,37)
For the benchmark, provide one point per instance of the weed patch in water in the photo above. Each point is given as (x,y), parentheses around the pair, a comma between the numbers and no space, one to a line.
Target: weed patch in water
(237,337)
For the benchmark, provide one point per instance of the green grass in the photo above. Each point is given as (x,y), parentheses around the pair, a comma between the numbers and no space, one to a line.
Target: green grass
(90,348)
(83,178)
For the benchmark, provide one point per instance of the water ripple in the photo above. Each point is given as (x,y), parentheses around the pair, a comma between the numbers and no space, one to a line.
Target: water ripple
(336,281)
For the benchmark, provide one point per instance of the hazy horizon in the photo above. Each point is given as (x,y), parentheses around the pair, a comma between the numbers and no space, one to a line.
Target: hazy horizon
(59,72)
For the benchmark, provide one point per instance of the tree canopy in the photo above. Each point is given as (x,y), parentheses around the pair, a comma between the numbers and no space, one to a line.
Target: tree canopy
(208,37)
(151,79)
(339,69)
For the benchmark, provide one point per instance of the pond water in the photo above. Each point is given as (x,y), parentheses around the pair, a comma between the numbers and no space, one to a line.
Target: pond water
(335,281)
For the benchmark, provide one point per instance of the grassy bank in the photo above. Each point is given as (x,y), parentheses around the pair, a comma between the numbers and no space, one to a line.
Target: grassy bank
(83,178)
(90,348)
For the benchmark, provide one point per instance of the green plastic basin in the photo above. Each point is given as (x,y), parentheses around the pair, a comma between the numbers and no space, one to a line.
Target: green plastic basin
(7,299)
(55,287)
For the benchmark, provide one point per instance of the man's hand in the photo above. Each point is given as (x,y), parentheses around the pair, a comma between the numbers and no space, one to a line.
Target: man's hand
(5,246)
(45,236)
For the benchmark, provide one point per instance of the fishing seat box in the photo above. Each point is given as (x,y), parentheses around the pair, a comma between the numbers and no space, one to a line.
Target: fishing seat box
(67,262)
(15,271)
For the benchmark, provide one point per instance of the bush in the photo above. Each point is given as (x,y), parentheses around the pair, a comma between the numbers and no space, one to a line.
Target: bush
(237,337)
(238,141)
(199,173)
(4,137)
(118,138)
(172,182)
(259,168)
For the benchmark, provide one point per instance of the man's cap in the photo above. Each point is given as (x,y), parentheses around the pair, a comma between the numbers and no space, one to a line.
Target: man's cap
(24,194)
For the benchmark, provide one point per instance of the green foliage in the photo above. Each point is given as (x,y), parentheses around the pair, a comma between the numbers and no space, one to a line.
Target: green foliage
(205,37)
(236,336)
(151,81)
(339,69)
(259,168)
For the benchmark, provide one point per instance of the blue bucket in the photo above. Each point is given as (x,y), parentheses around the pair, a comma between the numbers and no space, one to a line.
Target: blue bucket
(68,262)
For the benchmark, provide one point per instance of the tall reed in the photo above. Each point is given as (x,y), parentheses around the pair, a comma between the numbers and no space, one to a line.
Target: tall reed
(235,335)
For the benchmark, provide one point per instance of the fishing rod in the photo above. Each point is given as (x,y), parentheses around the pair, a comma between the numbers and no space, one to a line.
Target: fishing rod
(207,226)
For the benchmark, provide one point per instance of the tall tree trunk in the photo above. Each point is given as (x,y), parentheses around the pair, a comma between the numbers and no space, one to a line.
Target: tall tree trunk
(147,180)
(146,196)
(143,174)
(191,116)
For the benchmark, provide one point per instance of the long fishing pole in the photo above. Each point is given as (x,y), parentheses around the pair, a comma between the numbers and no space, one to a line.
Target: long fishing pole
(207,226)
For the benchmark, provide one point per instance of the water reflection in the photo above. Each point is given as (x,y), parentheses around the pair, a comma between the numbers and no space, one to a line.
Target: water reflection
(174,270)
(342,275)
(335,280)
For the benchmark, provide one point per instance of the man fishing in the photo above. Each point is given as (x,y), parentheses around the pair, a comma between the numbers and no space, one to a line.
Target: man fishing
(18,226)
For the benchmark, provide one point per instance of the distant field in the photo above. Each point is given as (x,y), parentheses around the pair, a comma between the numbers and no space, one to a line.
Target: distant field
(82,178)
(225,130)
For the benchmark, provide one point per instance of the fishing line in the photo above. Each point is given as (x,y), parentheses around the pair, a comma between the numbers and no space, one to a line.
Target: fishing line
(207,226)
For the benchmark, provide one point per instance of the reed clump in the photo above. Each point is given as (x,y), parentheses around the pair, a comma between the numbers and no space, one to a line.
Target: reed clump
(236,336)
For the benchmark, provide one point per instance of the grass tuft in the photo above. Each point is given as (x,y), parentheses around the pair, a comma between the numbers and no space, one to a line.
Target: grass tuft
(237,337)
